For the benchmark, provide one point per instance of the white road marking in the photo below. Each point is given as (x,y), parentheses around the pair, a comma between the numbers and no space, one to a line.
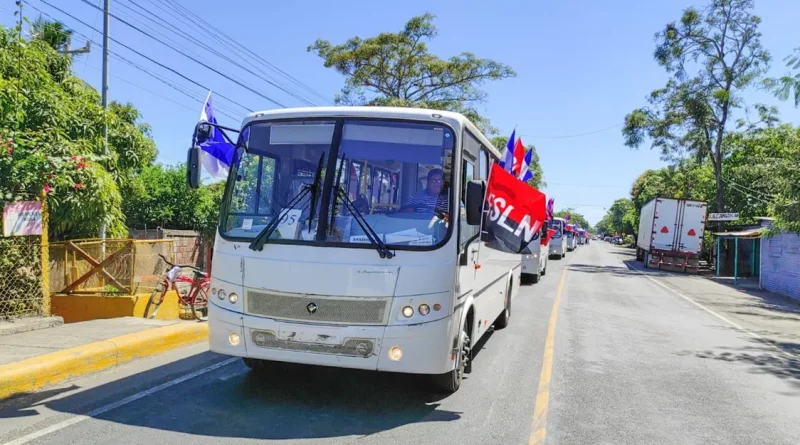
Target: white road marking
(762,340)
(111,406)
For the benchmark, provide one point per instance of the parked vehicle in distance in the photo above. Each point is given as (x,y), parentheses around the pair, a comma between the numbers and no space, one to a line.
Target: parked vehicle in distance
(572,241)
(558,244)
(534,263)
(671,234)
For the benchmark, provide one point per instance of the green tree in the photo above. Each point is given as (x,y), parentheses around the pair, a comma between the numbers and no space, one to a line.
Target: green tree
(619,218)
(54,33)
(574,217)
(55,123)
(692,113)
(398,70)
(159,196)
(537,181)
(788,86)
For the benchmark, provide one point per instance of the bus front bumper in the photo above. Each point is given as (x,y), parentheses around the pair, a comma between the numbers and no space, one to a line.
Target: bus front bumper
(424,348)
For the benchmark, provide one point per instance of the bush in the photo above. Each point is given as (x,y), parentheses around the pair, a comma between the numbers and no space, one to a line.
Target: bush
(628,241)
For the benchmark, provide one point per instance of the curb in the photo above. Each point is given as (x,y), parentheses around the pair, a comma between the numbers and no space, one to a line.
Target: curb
(49,369)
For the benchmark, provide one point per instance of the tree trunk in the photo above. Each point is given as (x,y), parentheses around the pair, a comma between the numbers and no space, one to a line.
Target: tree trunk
(720,201)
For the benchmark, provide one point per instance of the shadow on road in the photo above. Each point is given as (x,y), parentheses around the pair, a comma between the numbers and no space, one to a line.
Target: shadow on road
(288,402)
(777,358)
(593,268)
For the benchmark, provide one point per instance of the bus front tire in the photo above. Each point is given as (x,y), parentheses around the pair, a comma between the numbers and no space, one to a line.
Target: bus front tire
(449,382)
(503,319)
(256,365)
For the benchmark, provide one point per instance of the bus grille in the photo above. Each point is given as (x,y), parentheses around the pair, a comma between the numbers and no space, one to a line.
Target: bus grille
(335,310)
(353,347)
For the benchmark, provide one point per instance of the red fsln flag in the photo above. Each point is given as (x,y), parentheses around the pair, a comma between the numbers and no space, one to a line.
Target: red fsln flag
(550,233)
(516,212)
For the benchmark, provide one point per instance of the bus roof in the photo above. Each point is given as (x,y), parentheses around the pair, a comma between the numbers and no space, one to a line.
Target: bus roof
(558,218)
(422,114)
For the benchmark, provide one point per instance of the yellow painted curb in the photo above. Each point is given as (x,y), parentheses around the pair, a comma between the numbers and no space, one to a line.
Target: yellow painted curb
(49,369)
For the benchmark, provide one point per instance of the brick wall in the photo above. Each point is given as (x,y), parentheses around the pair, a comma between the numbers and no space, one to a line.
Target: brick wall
(189,246)
(780,264)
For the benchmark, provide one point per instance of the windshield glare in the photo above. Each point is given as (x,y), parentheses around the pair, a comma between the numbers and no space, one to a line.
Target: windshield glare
(397,174)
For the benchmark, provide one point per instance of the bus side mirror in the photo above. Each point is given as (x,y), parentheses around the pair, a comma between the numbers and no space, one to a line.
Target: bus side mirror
(193,167)
(476,190)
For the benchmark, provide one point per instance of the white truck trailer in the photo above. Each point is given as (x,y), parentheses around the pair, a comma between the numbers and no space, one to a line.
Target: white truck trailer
(671,234)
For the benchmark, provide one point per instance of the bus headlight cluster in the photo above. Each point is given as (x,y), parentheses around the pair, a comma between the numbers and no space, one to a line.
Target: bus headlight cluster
(222,295)
(423,310)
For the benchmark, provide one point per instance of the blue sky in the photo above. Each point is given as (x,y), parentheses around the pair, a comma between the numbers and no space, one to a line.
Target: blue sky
(581,67)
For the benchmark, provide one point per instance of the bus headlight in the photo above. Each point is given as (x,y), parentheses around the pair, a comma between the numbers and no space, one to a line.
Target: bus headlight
(395,353)
(221,294)
(234,339)
(408,311)
(233,298)
(424,309)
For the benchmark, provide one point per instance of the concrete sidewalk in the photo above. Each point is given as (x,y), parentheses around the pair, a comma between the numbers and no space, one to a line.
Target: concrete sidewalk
(36,359)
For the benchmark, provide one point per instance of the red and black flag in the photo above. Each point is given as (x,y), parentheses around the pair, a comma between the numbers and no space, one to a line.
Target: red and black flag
(516,212)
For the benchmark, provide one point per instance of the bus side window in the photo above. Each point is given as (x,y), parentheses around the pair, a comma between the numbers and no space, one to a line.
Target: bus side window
(483,172)
(467,231)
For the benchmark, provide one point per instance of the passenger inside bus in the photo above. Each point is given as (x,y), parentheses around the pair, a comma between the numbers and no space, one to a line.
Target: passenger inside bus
(432,198)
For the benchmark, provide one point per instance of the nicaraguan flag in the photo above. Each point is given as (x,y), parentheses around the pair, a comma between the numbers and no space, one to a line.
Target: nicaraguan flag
(215,152)
(525,171)
(507,159)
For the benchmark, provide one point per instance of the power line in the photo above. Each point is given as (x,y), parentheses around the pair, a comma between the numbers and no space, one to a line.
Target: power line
(172,70)
(182,34)
(182,17)
(573,135)
(189,13)
(192,58)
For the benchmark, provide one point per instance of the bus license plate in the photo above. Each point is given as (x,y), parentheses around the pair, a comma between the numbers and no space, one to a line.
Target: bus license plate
(308,334)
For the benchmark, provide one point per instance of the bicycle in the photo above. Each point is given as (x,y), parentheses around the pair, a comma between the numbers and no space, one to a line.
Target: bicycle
(196,297)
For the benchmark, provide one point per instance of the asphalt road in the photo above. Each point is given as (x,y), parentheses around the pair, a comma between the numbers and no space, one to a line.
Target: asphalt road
(625,360)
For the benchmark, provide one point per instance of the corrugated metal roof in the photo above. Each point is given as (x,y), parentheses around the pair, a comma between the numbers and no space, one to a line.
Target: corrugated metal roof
(754,233)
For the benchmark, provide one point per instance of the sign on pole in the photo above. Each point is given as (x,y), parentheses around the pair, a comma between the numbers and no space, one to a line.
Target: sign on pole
(22,218)
(723,216)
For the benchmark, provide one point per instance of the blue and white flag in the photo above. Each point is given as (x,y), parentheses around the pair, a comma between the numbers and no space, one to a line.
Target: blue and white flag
(215,152)
(525,170)
(507,159)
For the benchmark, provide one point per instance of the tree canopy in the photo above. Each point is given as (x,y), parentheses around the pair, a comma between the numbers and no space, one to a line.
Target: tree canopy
(53,122)
(713,55)
(397,69)
(574,217)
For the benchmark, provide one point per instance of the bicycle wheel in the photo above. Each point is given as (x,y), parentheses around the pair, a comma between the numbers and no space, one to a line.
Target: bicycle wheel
(200,302)
(156,298)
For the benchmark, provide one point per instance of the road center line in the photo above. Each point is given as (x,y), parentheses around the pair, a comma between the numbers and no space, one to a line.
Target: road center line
(114,405)
(539,423)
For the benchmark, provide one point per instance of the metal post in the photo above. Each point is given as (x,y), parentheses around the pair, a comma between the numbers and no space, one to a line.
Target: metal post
(719,239)
(104,95)
(735,259)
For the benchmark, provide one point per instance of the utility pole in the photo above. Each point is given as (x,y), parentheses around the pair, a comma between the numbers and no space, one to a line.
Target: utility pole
(106,7)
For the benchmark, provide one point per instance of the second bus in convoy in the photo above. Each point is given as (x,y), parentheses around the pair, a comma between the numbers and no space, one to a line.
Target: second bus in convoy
(349,237)
(558,243)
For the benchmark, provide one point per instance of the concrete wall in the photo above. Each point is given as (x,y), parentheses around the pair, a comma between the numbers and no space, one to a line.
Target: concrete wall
(780,264)
(190,247)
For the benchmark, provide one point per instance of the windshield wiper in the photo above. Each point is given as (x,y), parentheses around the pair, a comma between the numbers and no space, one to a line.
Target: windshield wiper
(313,189)
(339,193)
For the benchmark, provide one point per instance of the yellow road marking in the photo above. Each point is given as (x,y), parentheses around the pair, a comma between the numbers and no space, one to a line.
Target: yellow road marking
(539,424)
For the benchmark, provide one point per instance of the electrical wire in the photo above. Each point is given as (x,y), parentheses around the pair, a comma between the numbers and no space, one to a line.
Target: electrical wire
(192,58)
(184,35)
(172,70)
(210,26)
(573,135)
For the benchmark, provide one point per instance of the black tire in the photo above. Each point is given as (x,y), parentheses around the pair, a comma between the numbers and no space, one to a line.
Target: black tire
(527,278)
(544,271)
(535,278)
(154,303)
(563,254)
(257,365)
(449,382)
(504,318)
(200,302)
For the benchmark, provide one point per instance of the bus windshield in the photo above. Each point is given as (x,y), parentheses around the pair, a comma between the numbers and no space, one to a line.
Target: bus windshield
(396,174)
(558,226)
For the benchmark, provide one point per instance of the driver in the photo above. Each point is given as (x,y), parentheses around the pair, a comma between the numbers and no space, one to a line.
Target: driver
(433,198)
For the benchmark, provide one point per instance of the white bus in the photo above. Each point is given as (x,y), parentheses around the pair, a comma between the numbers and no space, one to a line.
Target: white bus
(558,243)
(534,261)
(379,264)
